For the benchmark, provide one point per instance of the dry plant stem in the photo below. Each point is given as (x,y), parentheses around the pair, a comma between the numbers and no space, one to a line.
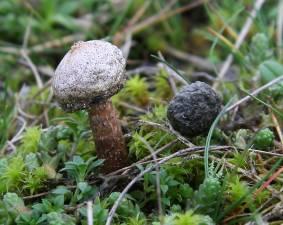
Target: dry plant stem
(132,107)
(280,29)
(161,16)
(108,136)
(45,46)
(165,14)
(41,69)
(255,92)
(277,127)
(139,14)
(170,130)
(268,182)
(33,68)
(197,61)
(170,77)
(157,169)
(241,38)
(89,213)
(140,162)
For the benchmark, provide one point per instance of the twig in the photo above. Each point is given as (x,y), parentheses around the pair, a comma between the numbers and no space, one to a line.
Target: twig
(132,107)
(196,61)
(56,43)
(23,113)
(265,152)
(255,92)
(13,147)
(36,195)
(280,29)
(147,70)
(278,128)
(268,182)
(157,169)
(276,212)
(89,213)
(127,46)
(47,45)
(225,67)
(26,36)
(170,130)
(198,75)
(32,67)
(169,71)
(45,86)
(41,69)
(139,14)
(21,130)
(134,165)
(24,54)
(164,14)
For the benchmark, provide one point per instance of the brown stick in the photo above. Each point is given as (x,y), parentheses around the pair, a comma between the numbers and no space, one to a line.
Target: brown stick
(108,136)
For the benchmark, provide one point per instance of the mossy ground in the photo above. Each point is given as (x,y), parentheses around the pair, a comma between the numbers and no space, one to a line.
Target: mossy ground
(48,166)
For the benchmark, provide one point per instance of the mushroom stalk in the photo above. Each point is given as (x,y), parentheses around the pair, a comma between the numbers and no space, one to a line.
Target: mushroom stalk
(108,136)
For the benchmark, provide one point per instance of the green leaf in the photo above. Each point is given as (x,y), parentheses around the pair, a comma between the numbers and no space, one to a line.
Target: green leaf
(270,70)
(31,162)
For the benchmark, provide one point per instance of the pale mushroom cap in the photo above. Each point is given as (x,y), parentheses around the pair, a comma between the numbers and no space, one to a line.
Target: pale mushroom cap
(91,71)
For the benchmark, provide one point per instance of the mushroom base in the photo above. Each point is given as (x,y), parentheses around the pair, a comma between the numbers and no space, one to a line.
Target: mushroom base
(108,136)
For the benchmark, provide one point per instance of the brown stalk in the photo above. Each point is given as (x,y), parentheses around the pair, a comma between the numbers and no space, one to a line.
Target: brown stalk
(108,136)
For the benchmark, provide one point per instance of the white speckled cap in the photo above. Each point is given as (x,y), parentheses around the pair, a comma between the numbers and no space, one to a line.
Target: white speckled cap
(91,71)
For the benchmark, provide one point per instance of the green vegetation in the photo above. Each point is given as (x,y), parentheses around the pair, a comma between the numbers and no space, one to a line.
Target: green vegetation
(232,174)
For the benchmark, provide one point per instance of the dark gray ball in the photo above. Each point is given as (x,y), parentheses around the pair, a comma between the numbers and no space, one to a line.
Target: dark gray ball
(192,111)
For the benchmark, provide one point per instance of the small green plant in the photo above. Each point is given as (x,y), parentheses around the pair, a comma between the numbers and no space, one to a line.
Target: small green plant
(14,174)
(78,169)
(191,218)
(156,138)
(49,205)
(83,192)
(174,189)
(157,114)
(13,205)
(187,218)
(236,189)
(35,180)
(163,88)
(264,139)
(137,220)
(127,208)
(48,164)
(55,218)
(270,70)
(30,140)
(209,197)
(242,138)
(100,212)
(137,88)
(259,49)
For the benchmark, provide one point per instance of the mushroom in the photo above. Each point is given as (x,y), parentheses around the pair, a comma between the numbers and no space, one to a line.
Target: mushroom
(192,111)
(88,75)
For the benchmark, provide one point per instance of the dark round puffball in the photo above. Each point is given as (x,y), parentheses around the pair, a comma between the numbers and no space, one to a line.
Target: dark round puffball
(192,111)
